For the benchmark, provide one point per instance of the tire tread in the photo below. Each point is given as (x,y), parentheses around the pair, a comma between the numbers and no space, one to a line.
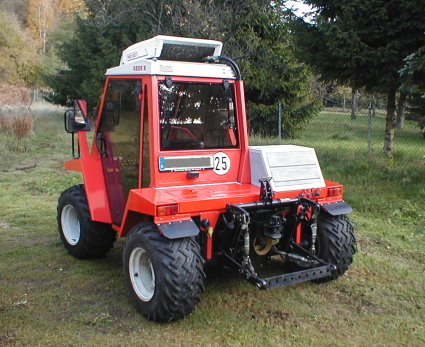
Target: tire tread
(96,238)
(340,243)
(182,274)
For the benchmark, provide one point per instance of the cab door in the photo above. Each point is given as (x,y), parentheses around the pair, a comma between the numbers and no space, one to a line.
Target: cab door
(118,140)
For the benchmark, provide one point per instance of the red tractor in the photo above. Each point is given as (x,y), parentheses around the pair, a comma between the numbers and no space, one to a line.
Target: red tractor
(170,169)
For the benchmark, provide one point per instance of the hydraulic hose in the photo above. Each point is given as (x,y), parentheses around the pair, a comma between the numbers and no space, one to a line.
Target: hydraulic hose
(227,61)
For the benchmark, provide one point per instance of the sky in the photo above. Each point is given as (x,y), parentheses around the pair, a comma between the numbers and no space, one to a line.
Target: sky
(300,7)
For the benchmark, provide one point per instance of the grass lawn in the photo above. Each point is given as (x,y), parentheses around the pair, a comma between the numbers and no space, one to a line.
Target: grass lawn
(48,298)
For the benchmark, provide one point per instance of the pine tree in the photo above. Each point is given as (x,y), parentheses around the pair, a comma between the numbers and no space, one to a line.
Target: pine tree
(363,44)
(254,30)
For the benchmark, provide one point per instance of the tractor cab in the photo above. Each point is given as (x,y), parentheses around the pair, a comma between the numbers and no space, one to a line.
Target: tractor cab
(169,167)
(167,123)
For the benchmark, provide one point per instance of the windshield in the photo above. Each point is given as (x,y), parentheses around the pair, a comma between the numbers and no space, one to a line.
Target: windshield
(197,116)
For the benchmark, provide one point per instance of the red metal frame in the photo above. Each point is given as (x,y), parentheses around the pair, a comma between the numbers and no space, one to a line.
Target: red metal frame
(142,115)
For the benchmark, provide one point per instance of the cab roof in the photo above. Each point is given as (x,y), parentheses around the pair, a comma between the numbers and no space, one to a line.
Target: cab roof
(174,56)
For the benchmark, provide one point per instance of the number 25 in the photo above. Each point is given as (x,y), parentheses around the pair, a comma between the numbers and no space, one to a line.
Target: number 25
(222,161)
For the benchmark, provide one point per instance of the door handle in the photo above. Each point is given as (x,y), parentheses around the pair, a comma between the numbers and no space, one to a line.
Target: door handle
(101,144)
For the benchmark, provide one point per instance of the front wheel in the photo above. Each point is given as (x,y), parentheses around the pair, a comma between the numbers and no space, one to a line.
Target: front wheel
(82,237)
(164,277)
(336,243)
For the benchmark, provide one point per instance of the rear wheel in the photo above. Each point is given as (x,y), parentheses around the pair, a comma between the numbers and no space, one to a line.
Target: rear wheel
(82,237)
(164,277)
(336,243)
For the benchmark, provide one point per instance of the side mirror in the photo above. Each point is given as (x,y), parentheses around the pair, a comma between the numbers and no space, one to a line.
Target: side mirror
(76,118)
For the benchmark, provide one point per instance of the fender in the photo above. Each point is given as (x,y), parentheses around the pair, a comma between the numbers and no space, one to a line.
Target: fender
(94,182)
(336,208)
(179,229)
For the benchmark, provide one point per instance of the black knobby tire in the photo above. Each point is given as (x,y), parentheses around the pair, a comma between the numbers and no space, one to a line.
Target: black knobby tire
(178,273)
(82,237)
(336,243)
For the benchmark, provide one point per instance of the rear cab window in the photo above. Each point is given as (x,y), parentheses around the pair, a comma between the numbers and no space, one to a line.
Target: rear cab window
(197,116)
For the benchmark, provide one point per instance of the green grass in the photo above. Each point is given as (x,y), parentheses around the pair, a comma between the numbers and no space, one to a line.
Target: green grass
(48,298)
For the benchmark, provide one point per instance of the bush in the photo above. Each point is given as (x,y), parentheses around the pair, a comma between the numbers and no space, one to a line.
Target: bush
(19,126)
(16,118)
(16,124)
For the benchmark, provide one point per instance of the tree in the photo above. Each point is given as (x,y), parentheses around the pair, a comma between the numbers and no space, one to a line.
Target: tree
(413,86)
(40,20)
(67,8)
(109,27)
(254,30)
(273,75)
(19,63)
(43,17)
(363,44)
(18,8)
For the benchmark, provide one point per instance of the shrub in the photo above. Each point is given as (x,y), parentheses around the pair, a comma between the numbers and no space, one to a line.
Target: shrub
(21,126)
(16,124)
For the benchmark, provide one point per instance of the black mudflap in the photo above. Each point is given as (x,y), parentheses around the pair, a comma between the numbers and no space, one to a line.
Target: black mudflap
(296,277)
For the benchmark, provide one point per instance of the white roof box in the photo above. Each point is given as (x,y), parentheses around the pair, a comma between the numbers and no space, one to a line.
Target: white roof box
(171,48)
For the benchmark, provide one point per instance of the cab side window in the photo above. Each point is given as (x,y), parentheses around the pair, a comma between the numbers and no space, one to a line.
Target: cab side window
(120,126)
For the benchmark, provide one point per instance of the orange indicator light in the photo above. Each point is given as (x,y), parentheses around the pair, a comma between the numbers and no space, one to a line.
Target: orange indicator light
(167,210)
